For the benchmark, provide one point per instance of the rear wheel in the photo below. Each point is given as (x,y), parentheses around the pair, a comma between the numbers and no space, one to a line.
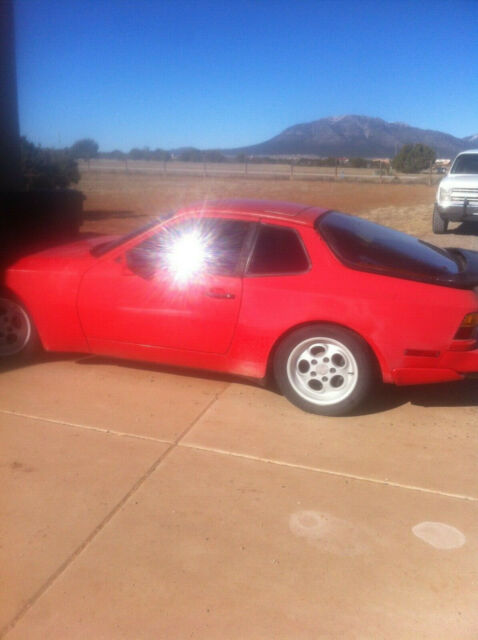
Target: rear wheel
(18,336)
(439,224)
(324,369)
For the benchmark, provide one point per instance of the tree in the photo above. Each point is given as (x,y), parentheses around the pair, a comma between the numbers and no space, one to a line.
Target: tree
(116,154)
(160,155)
(84,149)
(139,154)
(358,163)
(190,155)
(213,156)
(413,158)
(46,168)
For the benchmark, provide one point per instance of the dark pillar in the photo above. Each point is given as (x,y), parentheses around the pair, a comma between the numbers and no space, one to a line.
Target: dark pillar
(9,128)
(26,217)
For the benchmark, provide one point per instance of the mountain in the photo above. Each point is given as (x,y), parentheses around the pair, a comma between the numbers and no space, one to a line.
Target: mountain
(351,136)
(472,140)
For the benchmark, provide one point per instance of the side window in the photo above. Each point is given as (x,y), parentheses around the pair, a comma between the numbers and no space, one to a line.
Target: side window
(278,251)
(211,245)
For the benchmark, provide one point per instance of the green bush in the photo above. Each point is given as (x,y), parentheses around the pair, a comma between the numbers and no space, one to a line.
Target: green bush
(84,149)
(44,168)
(358,163)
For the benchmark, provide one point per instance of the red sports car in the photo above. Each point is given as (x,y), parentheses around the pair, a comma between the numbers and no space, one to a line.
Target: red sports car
(325,302)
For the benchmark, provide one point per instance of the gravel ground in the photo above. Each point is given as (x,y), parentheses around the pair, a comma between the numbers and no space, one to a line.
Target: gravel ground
(417,220)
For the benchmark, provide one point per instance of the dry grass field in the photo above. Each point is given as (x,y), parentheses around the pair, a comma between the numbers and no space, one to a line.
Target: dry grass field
(117,202)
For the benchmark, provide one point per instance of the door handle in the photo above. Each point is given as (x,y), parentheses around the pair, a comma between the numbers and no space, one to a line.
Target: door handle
(215,292)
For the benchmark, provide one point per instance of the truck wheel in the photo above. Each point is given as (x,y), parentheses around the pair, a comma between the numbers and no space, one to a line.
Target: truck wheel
(439,224)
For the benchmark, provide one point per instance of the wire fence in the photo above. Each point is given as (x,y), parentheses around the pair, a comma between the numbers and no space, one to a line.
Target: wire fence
(255,170)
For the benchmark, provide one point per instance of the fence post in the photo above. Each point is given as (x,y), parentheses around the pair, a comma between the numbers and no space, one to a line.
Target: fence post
(430,174)
(336,167)
(380,171)
(292,170)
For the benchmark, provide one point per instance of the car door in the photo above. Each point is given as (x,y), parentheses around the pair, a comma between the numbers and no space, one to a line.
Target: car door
(181,288)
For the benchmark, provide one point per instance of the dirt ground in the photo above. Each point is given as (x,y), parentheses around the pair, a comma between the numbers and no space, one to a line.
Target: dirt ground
(117,203)
(113,201)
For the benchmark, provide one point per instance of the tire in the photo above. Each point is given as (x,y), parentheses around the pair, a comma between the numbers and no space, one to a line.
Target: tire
(325,369)
(439,225)
(18,337)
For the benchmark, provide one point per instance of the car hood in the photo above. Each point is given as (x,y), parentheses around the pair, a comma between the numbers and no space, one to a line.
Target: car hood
(70,256)
(460,180)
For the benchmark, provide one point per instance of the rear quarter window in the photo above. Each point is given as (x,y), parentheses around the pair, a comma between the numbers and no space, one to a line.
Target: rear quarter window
(367,246)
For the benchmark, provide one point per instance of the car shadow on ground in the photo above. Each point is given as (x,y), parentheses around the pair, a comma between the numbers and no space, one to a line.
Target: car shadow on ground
(385,397)
(453,394)
(164,368)
(463,393)
(465,229)
(14,363)
(104,214)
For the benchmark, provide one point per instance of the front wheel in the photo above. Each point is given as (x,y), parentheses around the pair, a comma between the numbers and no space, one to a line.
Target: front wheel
(439,225)
(324,369)
(18,337)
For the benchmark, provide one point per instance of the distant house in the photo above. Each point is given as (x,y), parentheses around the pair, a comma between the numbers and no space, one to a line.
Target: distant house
(382,160)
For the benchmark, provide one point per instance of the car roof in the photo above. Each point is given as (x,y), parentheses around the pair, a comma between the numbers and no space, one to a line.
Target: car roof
(259,209)
(474,151)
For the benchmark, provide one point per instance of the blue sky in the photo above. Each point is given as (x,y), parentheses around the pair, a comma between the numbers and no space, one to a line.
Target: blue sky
(220,73)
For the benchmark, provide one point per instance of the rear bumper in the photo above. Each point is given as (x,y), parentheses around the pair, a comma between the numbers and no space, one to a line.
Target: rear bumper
(451,365)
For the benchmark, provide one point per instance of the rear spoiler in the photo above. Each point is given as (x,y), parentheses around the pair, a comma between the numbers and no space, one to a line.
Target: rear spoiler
(468,276)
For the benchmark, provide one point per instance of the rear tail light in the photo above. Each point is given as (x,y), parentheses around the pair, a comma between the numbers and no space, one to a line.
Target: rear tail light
(468,327)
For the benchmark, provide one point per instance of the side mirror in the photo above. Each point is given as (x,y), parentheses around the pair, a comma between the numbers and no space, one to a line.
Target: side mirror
(142,262)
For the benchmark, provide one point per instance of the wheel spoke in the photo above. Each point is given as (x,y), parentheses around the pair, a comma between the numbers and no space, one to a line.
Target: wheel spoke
(339,359)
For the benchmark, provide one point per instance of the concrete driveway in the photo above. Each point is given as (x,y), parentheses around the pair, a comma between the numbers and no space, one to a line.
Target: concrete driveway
(141,502)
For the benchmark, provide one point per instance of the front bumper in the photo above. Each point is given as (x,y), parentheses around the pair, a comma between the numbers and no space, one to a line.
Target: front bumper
(458,211)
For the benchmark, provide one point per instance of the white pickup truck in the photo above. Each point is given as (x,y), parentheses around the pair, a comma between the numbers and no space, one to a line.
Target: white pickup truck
(457,195)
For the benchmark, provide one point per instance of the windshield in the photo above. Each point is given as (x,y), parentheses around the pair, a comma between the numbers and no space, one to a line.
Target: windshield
(104,247)
(368,246)
(467,163)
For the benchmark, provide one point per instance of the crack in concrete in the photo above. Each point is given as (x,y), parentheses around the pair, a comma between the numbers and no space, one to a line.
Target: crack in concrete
(177,442)
(109,516)
(330,472)
(88,427)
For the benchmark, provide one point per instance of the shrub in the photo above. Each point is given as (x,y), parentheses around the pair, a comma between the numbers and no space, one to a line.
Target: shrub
(44,168)
(413,158)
